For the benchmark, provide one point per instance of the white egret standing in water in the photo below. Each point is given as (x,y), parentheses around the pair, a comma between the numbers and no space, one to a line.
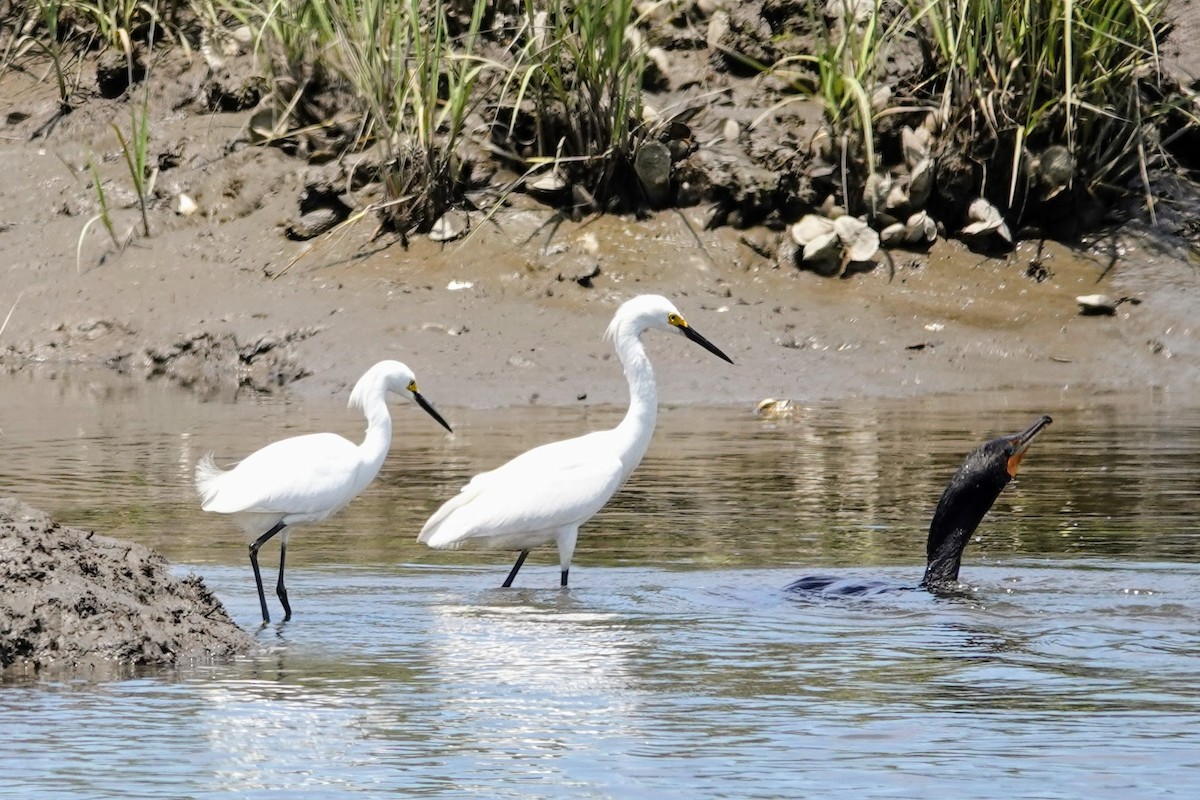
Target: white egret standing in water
(545,494)
(307,478)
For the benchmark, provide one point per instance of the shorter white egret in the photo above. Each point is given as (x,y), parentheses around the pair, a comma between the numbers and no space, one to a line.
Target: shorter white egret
(545,494)
(307,478)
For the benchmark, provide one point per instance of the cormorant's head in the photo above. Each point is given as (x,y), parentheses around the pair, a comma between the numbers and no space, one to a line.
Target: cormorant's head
(983,475)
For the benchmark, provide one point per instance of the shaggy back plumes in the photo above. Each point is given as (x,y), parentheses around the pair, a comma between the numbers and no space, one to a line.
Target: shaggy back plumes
(208,477)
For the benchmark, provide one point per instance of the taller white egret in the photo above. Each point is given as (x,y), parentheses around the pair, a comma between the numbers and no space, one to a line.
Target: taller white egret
(307,478)
(545,494)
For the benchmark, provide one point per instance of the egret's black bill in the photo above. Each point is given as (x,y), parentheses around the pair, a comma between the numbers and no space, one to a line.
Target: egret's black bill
(690,333)
(423,403)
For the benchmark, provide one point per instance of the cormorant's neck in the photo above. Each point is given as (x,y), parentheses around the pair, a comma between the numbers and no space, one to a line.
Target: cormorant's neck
(959,512)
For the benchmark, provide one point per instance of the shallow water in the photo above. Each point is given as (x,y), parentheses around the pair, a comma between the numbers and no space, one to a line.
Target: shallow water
(674,666)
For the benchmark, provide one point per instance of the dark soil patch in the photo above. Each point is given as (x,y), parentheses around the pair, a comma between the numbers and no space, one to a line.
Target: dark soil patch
(75,601)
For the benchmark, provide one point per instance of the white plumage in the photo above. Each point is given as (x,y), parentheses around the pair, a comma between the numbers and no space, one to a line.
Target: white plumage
(545,494)
(307,478)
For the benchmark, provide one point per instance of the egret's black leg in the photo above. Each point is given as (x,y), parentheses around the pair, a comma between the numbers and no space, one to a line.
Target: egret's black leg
(262,598)
(280,589)
(516,568)
(563,582)
(257,543)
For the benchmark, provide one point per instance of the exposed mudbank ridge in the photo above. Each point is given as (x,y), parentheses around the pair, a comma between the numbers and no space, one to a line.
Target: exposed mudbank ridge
(74,600)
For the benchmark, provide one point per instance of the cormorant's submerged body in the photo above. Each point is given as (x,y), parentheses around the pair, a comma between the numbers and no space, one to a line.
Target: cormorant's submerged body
(967,498)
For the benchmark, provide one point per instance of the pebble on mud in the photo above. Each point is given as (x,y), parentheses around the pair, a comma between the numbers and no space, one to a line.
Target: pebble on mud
(72,600)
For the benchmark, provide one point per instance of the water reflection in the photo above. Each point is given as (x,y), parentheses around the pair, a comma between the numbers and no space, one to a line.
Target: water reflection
(675,667)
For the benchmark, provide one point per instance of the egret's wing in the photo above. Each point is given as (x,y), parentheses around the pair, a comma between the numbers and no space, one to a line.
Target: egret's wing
(517,498)
(545,459)
(304,474)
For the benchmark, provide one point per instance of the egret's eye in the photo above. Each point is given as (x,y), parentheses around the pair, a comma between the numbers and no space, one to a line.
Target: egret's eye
(412,386)
(675,319)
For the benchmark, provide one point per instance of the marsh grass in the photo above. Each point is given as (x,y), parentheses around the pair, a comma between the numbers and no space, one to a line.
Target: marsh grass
(417,83)
(292,39)
(574,94)
(1014,77)
(405,80)
(37,28)
(844,75)
(102,216)
(135,150)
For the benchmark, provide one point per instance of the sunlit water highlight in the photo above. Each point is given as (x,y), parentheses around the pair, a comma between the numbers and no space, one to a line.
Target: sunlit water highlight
(675,666)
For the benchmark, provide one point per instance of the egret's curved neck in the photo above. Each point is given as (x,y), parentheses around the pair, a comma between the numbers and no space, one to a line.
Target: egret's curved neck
(637,427)
(378,439)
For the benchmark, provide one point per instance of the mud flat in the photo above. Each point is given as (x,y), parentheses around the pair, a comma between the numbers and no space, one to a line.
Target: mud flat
(74,602)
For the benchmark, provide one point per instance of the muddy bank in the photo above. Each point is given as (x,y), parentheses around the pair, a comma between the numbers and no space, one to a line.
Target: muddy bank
(224,299)
(75,602)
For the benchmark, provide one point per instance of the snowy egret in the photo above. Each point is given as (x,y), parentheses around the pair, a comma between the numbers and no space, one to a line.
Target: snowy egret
(545,494)
(307,478)
(967,498)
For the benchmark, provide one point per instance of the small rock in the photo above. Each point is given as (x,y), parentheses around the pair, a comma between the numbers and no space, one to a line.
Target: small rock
(893,235)
(449,227)
(860,239)
(810,227)
(314,223)
(185,206)
(1097,305)
(653,166)
(986,219)
(548,186)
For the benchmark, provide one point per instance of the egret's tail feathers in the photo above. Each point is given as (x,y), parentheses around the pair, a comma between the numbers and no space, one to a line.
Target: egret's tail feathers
(434,525)
(208,480)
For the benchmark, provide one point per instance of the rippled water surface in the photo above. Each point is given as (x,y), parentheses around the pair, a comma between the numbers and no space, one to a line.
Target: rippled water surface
(674,666)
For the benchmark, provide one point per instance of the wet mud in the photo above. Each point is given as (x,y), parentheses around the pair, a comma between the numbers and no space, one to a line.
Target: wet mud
(75,602)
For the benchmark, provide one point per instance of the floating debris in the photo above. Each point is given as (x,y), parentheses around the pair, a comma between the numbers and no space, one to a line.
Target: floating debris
(458,286)
(771,408)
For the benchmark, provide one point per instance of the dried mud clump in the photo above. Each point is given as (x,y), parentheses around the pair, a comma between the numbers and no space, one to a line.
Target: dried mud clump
(70,599)
(213,364)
